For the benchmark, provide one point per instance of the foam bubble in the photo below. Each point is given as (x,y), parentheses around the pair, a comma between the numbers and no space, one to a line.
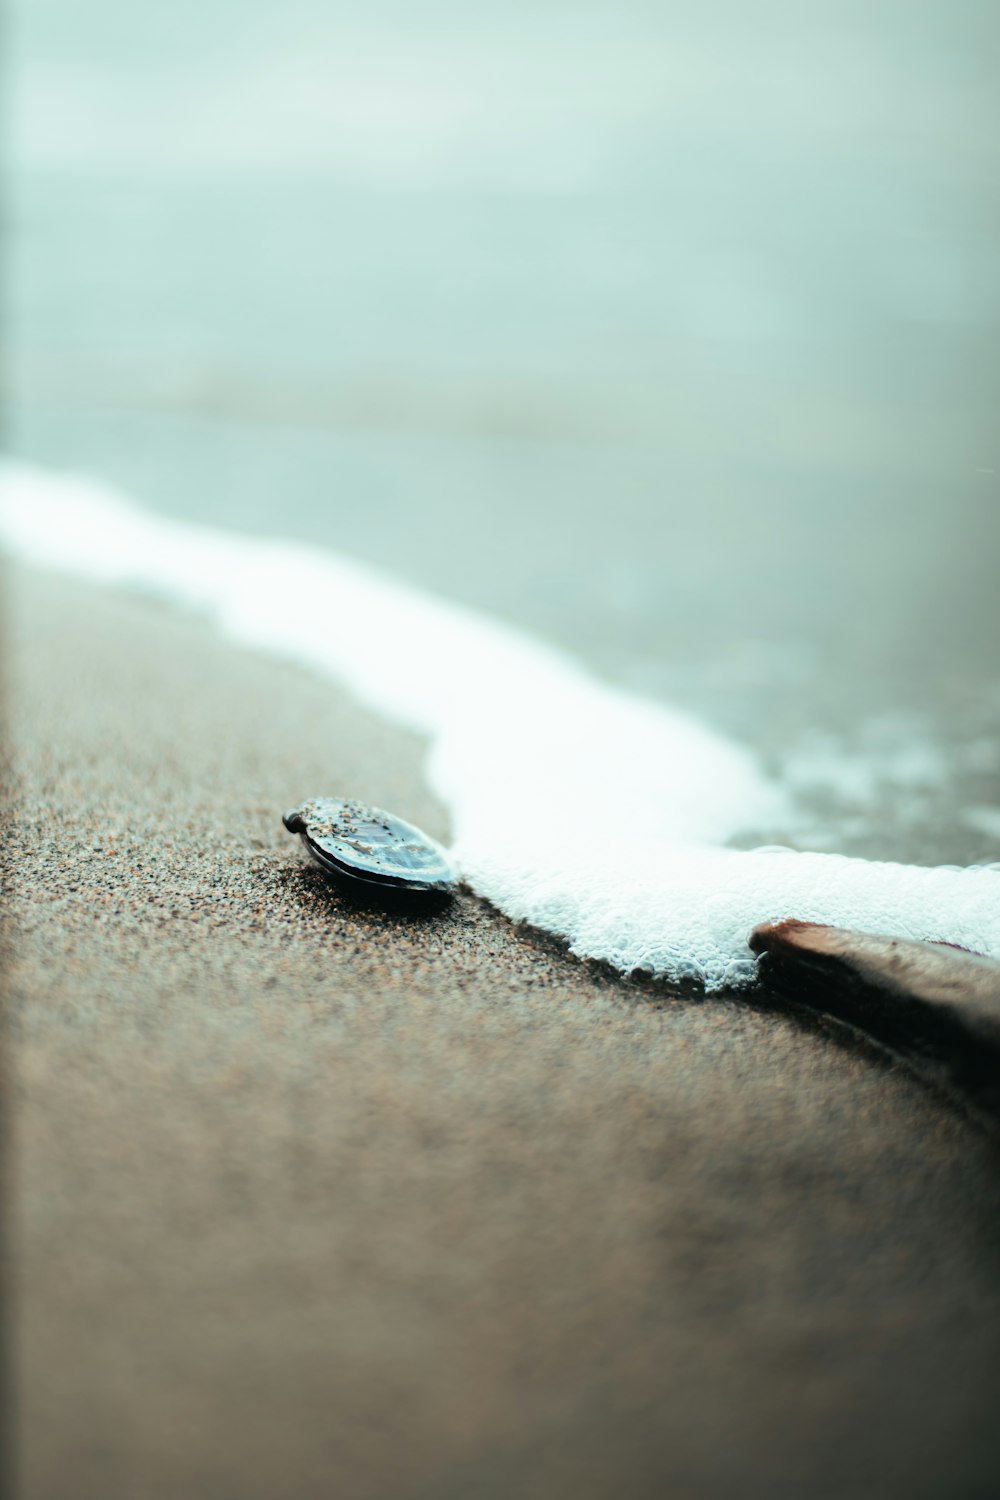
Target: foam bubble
(580,808)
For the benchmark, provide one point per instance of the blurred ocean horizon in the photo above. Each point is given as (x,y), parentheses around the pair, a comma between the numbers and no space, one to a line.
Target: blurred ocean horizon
(668,336)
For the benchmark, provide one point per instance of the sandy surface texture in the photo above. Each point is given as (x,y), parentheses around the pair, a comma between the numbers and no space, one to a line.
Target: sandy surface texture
(313,1202)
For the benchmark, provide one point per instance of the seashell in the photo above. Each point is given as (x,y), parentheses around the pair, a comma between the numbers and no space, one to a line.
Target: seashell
(364,846)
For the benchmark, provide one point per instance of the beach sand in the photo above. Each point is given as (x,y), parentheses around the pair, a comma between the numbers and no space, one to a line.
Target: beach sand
(313,1202)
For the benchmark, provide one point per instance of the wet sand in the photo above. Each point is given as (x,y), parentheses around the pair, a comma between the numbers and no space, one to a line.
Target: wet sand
(311,1201)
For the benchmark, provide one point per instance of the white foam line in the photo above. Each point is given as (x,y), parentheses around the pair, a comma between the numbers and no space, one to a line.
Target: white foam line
(576,807)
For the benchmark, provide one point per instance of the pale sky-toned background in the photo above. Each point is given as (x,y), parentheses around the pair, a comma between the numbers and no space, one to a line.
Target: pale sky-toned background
(669,332)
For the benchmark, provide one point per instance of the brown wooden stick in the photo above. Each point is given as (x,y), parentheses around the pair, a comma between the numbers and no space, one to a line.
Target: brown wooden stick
(935,1005)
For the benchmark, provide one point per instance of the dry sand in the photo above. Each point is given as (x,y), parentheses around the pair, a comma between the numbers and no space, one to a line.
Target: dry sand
(310,1202)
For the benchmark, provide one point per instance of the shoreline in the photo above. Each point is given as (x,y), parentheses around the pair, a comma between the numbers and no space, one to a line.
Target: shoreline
(608,819)
(305,1193)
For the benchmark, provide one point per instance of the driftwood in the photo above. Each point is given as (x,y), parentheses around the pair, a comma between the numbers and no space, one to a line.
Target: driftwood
(935,1005)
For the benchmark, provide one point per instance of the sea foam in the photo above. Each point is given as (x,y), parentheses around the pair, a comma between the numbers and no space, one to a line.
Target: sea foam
(577,807)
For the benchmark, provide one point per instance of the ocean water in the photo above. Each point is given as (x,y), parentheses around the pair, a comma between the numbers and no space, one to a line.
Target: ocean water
(664,335)
(585,810)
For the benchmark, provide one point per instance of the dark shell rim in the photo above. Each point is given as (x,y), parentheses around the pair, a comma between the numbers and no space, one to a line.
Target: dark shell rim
(332,866)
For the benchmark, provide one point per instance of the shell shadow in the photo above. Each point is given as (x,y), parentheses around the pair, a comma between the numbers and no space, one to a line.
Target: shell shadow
(312,888)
